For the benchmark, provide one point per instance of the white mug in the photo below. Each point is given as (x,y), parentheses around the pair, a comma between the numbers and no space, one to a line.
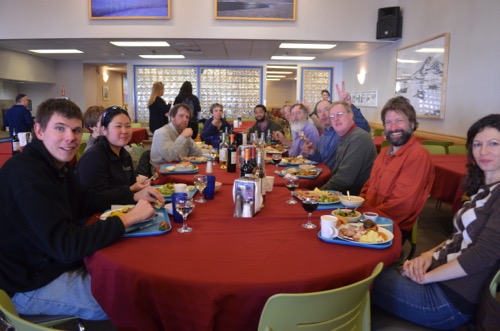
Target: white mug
(180,188)
(329,226)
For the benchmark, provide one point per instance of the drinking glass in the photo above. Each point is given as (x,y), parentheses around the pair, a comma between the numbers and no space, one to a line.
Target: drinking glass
(184,206)
(276,158)
(309,205)
(200,181)
(291,183)
(214,153)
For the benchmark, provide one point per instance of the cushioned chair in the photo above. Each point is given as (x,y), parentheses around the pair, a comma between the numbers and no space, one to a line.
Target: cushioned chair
(435,149)
(345,308)
(135,125)
(457,149)
(81,149)
(378,132)
(445,144)
(385,143)
(11,320)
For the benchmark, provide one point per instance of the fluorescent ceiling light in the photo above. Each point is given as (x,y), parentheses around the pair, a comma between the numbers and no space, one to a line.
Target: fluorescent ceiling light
(279,72)
(162,56)
(140,43)
(276,76)
(430,50)
(293,58)
(281,67)
(307,46)
(407,61)
(56,51)
(273,79)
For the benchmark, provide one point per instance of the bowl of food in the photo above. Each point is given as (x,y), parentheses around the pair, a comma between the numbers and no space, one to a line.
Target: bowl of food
(306,167)
(350,215)
(351,201)
(217,186)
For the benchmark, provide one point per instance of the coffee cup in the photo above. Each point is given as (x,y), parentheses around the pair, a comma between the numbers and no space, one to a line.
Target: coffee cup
(329,226)
(369,215)
(180,188)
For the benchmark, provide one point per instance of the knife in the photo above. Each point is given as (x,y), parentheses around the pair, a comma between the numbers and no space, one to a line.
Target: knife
(140,228)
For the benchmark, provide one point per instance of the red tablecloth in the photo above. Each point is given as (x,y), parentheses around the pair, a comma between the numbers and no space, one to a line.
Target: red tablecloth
(227,178)
(138,135)
(219,276)
(449,172)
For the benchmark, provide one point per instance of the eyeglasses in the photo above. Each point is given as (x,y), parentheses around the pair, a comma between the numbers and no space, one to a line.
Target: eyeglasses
(339,115)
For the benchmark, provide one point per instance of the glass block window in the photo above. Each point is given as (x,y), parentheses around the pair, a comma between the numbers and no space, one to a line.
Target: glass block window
(314,80)
(238,89)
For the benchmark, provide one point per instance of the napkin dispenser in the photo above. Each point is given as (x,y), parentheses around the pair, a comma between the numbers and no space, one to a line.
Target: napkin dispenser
(246,196)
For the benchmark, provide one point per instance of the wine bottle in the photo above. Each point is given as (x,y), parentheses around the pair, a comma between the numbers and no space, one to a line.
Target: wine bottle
(269,138)
(260,172)
(16,146)
(223,152)
(247,168)
(231,154)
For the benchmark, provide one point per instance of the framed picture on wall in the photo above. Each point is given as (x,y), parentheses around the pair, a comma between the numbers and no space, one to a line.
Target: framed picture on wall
(277,10)
(105,92)
(421,75)
(129,9)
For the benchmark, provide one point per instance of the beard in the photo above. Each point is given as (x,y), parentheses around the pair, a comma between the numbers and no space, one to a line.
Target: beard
(296,127)
(260,120)
(406,135)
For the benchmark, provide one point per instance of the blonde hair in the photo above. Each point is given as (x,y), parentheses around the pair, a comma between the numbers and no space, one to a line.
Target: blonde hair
(157,91)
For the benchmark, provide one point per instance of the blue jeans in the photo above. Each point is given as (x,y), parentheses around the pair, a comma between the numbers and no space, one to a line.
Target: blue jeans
(426,305)
(69,294)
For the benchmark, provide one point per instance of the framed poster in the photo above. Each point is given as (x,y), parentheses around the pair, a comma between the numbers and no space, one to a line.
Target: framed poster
(129,9)
(366,99)
(105,92)
(421,75)
(277,10)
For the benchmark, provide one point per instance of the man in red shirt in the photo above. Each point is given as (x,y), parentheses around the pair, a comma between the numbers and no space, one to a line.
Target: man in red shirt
(402,174)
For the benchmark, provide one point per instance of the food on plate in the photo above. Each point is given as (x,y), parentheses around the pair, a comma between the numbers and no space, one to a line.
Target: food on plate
(362,235)
(300,172)
(166,189)
(276,149)
(158,204)
(184,166)
(347,212)
(321,196)
(370,225)
(163,226)
(295,160)
(197,159)
(119,212)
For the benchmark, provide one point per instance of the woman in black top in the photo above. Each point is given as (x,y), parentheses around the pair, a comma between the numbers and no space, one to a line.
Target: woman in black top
(187,97)
(158,108)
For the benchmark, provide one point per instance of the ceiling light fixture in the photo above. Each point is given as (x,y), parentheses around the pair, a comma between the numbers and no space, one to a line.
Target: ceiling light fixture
(430,50)
(407,61)
(293,58)
(281,67)
(56,51)
(276,76)
(140,43)
(307,46)
(162,56)
(279,72)
(276,79)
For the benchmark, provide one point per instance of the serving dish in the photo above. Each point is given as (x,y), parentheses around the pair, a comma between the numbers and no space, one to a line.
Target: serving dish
(300,173)
(166,169)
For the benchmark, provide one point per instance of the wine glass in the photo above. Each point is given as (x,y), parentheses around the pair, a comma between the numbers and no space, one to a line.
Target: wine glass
(200,181)
(291,183)
(276,158)
(309,205)
(184,206)
(214,153)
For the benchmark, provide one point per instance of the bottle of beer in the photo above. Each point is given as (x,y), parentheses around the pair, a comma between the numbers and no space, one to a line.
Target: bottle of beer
(16,146)
(231,154)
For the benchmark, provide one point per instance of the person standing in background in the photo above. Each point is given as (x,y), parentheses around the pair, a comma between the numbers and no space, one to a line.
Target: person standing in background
(187,97)
(19,116)
(158,108)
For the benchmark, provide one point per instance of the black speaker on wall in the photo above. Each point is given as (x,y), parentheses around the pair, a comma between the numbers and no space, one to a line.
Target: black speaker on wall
(390,23)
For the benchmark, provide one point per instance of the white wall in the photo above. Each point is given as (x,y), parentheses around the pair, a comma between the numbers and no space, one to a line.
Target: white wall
(474,69)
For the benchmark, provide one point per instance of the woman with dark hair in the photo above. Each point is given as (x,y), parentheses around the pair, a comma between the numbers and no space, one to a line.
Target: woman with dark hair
(187,97)
(107,164)
(214,125)
(158,108)
(442,287)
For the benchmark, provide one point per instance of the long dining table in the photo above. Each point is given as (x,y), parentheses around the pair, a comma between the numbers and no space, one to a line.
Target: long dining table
(219,276)
(450,170)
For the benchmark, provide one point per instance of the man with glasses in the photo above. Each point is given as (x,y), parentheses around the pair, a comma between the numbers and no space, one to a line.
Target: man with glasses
(19,117)
(302,131)
(174,140)
(355,154)
(403,173)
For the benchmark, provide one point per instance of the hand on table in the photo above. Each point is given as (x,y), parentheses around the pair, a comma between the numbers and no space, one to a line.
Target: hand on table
(149,194)
(140,213)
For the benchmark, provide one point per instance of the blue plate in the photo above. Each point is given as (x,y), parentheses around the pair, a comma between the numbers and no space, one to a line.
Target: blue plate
(380,220)
(164,171)
(168,198)
(318,171)
(150,227)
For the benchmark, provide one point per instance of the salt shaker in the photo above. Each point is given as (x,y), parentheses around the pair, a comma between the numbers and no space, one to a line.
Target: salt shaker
(209,169)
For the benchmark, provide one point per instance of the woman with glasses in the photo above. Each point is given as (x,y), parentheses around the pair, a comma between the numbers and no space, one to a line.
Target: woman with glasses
(107,164)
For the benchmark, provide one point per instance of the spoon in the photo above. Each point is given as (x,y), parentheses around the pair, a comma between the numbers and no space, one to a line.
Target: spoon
(348,196)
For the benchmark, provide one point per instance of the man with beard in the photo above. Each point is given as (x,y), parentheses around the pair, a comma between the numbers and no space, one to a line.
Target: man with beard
(403,173)
(173,141)
(355,154)
(263,122)
(302,131)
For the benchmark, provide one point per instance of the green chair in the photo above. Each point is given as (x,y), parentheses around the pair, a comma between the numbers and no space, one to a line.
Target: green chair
(81,150)
(85,137)
(385,143)
(135,125)
(413,240)
(10,318)
(378,132)
(445,144)
(457,149)
(345,308)
(435,149)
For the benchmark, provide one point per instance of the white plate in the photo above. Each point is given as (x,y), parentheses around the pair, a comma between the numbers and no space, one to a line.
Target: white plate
(107,213)
(168,208)
(388,234)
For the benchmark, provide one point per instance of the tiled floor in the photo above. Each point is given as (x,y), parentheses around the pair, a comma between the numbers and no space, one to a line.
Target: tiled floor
(434,226)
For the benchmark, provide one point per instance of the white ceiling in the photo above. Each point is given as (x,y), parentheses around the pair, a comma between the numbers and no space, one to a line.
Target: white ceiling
(101,52)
